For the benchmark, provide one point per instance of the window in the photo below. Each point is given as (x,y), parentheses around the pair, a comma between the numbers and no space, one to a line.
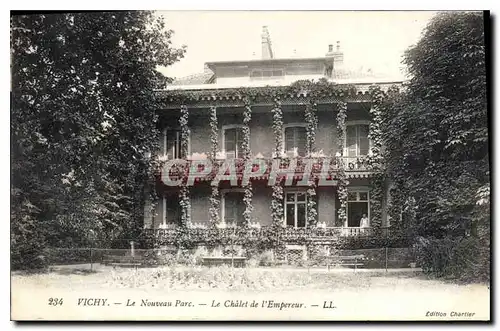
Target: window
(266,74)
(295,140)
(233,207)
(172,144)
(357,142)
(295,209)
(171,209)
(233,139)
(358,204)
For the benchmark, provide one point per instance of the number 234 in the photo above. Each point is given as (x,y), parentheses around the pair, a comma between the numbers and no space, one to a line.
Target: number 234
(55,302)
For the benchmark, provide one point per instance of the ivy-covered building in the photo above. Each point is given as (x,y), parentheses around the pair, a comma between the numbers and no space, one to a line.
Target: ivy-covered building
(294,110)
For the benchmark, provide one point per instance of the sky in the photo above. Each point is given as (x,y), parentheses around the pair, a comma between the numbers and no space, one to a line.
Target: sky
(369,40)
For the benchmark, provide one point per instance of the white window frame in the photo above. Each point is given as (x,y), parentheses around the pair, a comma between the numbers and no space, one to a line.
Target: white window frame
(229,127)
(357,189)
(164,207)
(165,151)
(223,193)
(355,123)
(285,202)
(291,125)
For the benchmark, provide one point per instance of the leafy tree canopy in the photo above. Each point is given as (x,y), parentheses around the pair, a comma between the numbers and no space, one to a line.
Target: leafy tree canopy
(436,131)
(83,121)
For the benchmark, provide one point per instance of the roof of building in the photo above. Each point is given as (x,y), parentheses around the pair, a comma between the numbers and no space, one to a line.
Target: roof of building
(339,74)
(195,79)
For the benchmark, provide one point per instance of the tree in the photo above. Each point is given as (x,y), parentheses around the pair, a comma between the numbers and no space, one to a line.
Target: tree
(83,122)
(436,130)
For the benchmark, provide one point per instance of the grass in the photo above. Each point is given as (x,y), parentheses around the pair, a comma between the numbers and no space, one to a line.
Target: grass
(360,295)
(222,278)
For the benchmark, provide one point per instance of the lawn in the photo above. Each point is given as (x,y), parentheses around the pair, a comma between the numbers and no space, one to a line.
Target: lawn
(232,279)
(227,278)
(366,295)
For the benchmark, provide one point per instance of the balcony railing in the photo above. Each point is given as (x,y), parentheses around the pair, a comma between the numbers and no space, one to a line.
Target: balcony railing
(239,234)
(357,163)
(302,164)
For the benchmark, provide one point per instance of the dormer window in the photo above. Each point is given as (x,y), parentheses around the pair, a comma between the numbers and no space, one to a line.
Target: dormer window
(267,74)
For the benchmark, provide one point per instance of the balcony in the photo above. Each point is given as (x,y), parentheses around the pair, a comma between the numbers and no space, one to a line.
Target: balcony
(359,166)
(239,235)
(357,163)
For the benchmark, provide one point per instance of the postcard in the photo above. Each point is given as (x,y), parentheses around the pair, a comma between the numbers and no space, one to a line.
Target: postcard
(250,166)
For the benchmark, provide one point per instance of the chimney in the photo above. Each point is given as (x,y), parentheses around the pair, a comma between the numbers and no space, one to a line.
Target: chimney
(267,50)
(337,56)
(330,51)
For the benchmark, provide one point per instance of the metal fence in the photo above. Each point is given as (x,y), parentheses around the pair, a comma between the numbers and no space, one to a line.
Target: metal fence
(94,259)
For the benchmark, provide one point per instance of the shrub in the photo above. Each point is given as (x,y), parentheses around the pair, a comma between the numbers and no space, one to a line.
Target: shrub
(461,258)
(198,254)
(185,257)
(63,256)
(26,243)
(321,256)
(266,258)
(470,260)
(159,257)
(252,262)
(376,241)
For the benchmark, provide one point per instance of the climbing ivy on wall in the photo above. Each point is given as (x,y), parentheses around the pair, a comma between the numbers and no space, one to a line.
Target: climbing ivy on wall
(214,147)
(277,211)
(214,206)
(342,178)
(376,197)
(247,200)
(311,118)
(248,193)
(247,117)
(376,159)
(312,212)
(375,132)
(184,198)
(185,203)
(312,92)
(183,123)
(214,133)
(277,205)
(277,127)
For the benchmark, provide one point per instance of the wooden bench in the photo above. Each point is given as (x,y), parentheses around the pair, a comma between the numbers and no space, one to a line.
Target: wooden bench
(348,260)
(122,261)
(237,261)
